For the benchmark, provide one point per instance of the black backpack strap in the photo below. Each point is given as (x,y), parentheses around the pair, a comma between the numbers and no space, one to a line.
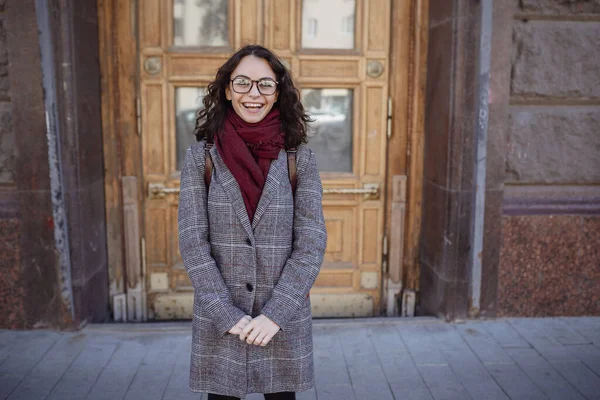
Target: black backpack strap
(292,170)
(208,164)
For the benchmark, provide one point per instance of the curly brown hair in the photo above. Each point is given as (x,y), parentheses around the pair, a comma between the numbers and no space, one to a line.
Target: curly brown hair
(294,119)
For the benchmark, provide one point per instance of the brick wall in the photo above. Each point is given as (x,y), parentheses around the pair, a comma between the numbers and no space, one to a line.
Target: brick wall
(550,256)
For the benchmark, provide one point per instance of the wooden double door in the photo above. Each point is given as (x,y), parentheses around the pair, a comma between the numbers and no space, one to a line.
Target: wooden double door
(338,52)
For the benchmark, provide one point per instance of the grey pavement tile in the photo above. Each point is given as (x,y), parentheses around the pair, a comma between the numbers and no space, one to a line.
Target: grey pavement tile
(401,372)
(367,376)
(473,375)
(83,372)
(505,334)
(482,343)
(40,381)
(541,336)
(7,341)
(445,337)
(420,345)
(587,354)
(581,377)
(560,330)
(178,386)
(152,376)
(544,375)
(588,327)
(333,391)
(330,364)
(25,353)
(307,395)
(119,372)
(443,383)
(514,382)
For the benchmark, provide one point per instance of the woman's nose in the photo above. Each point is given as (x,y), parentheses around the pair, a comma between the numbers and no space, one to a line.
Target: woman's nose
(254,90)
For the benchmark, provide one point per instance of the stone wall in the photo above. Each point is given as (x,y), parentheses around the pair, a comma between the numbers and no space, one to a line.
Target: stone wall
(549,257)
(7,137)
(11,288)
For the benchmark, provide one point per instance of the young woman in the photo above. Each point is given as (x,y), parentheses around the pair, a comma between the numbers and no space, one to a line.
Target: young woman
(251,244)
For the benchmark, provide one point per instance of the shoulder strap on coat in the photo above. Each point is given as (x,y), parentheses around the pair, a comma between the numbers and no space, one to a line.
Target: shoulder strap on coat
(291,161)
(208,164)
(292,171)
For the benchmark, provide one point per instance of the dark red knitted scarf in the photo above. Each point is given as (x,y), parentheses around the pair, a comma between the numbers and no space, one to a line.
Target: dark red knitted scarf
(247,150)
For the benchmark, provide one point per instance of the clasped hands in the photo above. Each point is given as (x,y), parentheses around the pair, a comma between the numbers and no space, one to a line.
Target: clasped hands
(258,331)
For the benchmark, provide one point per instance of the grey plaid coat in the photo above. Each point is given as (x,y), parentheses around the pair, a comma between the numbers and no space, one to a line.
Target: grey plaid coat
(238,268)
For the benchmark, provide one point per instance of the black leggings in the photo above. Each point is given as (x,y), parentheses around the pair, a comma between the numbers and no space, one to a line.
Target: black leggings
(270,396)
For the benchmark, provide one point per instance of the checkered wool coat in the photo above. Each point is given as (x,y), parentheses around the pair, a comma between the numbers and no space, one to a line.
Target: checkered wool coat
(238,268)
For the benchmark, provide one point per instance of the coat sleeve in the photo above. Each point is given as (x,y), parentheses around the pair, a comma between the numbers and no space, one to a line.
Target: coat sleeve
(310,239)
(195,248)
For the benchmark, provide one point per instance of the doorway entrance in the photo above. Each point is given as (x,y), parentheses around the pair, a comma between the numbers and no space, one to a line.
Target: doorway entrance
(339,52)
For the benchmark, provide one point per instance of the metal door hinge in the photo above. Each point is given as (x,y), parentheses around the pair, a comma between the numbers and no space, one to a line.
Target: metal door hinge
(389,117)
(385,245)
(138,115)
(385,254)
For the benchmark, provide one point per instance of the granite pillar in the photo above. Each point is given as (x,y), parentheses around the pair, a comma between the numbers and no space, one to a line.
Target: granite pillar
(36,274)
(453,91)
(52,219)
(75,46)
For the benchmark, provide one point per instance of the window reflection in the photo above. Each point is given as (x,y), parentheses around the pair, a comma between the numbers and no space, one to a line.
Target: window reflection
(328,24)
(200,23)
(330,135)
(187,102)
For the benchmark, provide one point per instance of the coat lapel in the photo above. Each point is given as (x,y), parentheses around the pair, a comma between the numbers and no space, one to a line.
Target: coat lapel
(232,189)
(277,172)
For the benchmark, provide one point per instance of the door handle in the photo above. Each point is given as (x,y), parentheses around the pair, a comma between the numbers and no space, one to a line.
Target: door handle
(369,190)
(159,190)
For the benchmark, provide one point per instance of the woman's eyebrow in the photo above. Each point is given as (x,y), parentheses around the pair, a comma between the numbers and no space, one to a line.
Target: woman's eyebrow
(246,76)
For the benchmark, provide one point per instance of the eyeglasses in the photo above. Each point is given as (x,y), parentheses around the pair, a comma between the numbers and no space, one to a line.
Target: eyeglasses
(242,85)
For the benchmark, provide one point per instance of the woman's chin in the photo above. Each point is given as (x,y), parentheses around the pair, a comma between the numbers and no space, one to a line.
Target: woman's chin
(252,117)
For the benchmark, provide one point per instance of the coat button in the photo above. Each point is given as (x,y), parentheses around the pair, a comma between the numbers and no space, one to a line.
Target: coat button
(249,287)
(248,242)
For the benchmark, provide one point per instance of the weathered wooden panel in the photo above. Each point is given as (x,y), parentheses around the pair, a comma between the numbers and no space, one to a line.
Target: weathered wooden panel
(379,25)
(153,114)
(375,134)
(341,305)
(341,235)
(195,67)
(371,235)
(150,23)
(281,20)
(329,68)
(156,242)
(251,20)
(334,278)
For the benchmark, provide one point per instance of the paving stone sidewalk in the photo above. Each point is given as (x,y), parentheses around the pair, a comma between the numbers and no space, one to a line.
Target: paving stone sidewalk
(367,359)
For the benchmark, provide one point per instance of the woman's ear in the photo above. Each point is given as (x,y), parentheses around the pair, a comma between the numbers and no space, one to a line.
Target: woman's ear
(227,93)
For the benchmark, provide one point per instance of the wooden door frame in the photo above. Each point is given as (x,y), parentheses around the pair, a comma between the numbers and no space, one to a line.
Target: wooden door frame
(119,67)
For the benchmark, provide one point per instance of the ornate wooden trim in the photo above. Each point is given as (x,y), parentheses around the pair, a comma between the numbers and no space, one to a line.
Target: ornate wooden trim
(405,148)
(121,143)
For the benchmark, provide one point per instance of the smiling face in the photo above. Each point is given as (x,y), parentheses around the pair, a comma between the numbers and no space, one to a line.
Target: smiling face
(253,106)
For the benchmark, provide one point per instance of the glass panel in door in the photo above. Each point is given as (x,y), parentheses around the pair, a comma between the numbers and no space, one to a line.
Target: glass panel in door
(328,24)
(330,135)
(187,102)
(200,23)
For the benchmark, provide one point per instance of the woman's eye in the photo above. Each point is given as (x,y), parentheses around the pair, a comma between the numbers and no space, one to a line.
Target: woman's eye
(267,84)
(241,82)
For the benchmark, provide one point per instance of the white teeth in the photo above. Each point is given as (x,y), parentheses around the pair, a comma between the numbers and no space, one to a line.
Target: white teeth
(253,105)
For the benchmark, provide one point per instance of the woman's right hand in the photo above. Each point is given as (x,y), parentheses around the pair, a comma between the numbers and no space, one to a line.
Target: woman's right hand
(239,327)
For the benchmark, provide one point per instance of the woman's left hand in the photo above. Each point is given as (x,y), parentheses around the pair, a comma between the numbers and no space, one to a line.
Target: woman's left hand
(259,331)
